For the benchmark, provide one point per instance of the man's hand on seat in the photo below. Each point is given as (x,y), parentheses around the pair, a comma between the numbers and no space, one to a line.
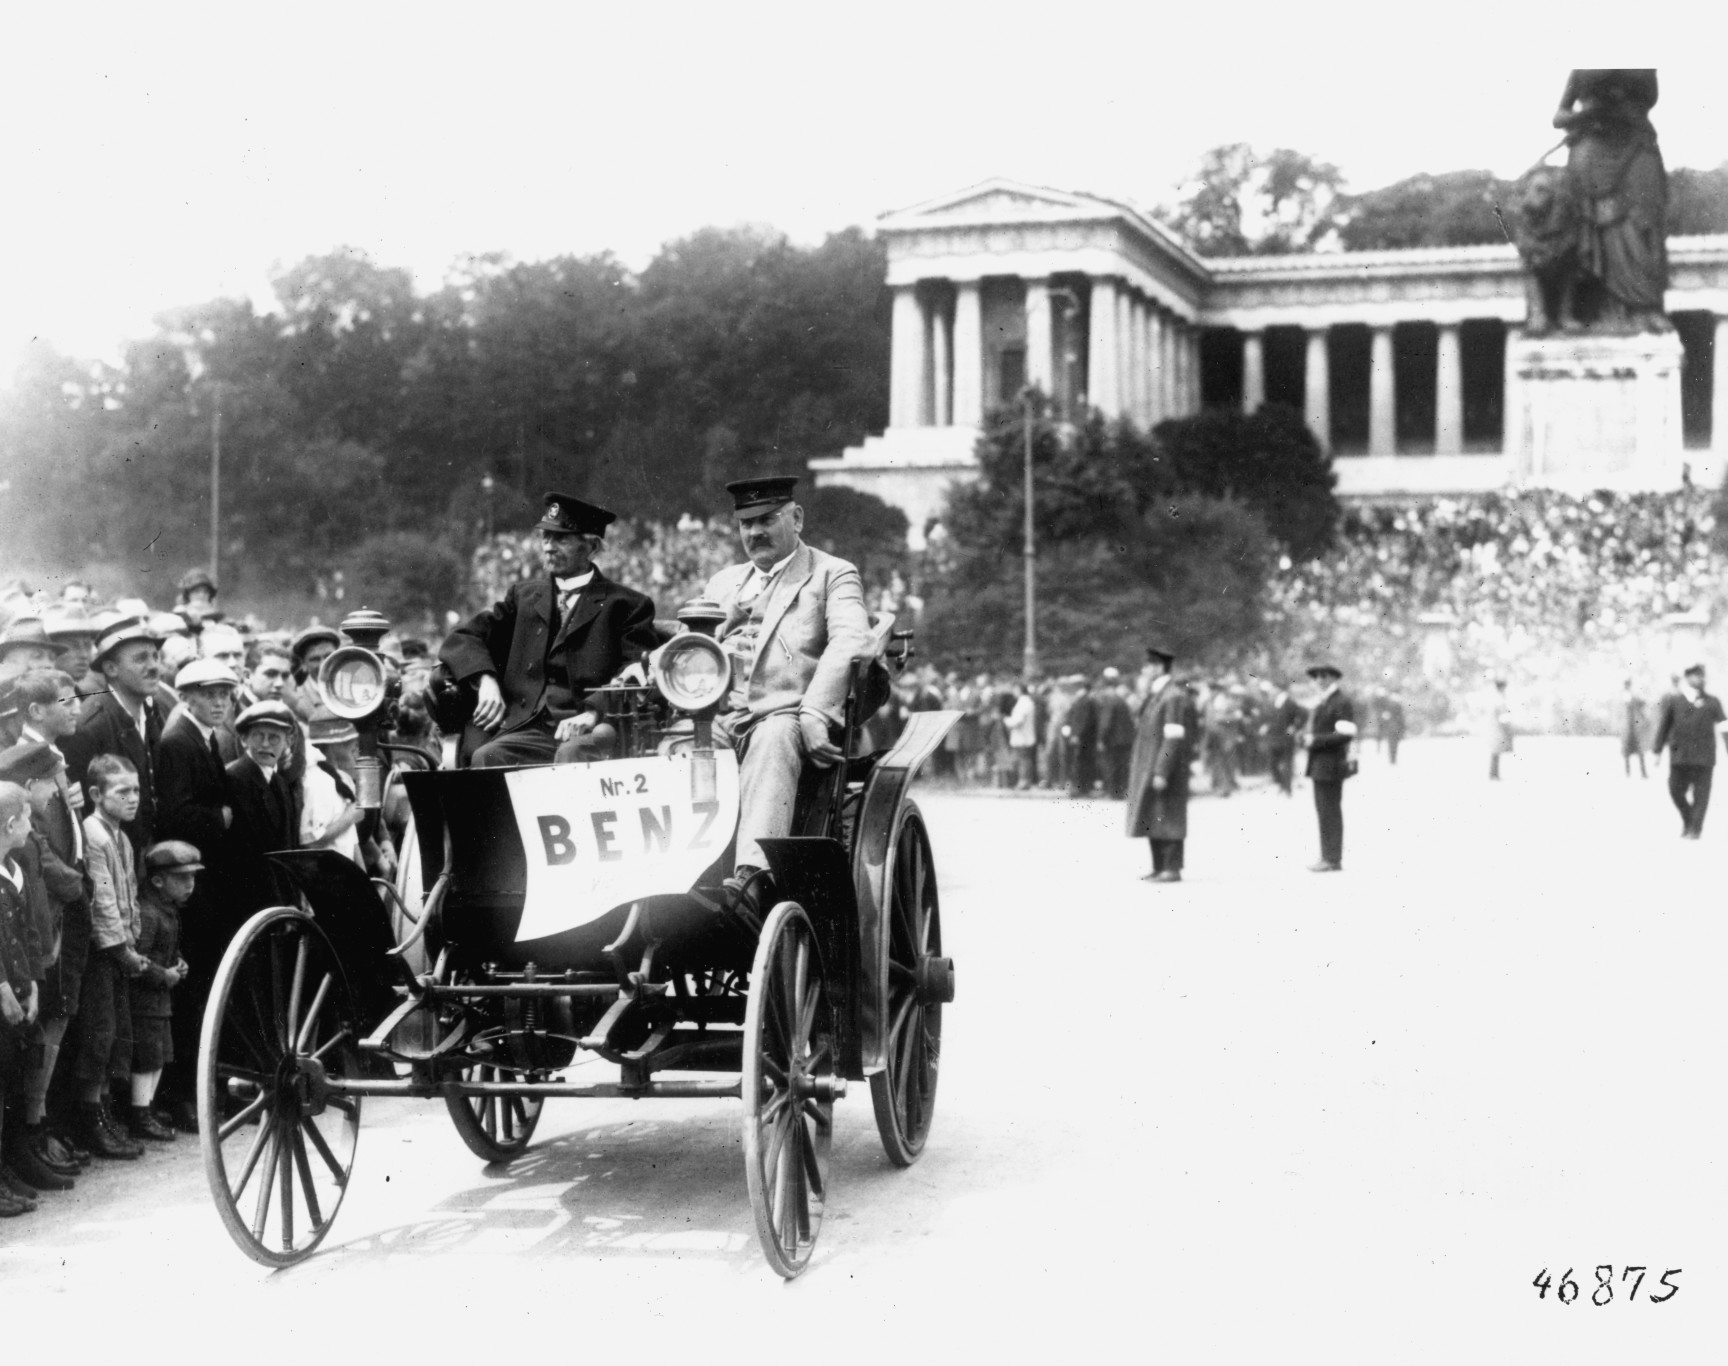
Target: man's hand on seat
(489,710)
(572,726)
(821,750)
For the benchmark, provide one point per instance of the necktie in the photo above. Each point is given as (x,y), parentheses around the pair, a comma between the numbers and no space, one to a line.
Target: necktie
(215,750)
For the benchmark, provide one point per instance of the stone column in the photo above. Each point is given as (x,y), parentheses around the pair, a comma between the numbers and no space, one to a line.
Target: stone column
(1382,396)
(1166,364)
(907,362)
(1253,371)
(1317,387)
(1449,393)
(1103,363)
(1038,340)
(1719,390)
(941,377)
(968,354)
(1142,362)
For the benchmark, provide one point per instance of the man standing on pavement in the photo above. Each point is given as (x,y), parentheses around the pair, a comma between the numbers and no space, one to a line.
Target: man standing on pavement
(536,656)
(1634,718)
(1281,729)
(1687,725)
(1331,728)
(795,623)
(124,720)
(1158,776)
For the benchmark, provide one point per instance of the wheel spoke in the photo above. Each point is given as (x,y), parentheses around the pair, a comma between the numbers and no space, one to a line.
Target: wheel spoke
(330,1043)
(277,1015)
(336,1170)
(242,1117)
(309,1028)
(812,1165)
(800,989)
(286,1165)
(305,1169)
(299,985)
(266,1189)
(251,1163)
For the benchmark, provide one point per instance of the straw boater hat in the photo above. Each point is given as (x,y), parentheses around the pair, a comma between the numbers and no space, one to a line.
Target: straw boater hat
(28,633)
(118,633)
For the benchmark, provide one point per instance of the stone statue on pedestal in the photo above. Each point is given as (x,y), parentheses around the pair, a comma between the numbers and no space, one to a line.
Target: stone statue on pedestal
(1593,233)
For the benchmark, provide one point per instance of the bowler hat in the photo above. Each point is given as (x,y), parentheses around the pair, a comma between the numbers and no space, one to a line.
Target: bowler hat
(120,632)
(1694,669)
(567,513)
(265,714)
(1161,652)
(769,491)
(29,760)
(1325,671)
(173,856)
(28,633)
(195,578)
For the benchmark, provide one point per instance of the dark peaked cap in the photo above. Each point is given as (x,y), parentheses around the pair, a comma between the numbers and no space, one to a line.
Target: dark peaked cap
(771,491)
(1159,650)
(569,514)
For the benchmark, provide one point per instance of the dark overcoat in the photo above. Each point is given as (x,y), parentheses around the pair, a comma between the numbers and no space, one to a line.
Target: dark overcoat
(1164,734)
(266,821)
(547,668)
(191,789)
(105,728)
(1331,729)
(1687,726)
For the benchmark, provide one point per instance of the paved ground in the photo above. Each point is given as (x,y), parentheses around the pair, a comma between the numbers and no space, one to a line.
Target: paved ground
(1264,1114)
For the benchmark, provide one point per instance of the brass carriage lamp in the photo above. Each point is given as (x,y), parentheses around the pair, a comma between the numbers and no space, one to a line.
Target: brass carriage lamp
(356,687)
(694,673)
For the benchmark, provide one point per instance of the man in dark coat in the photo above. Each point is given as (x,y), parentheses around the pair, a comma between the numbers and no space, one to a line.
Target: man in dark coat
(1687,725)
(1633,720)
(1158,774)
(535,657)
(1116,734)
(1080,730)
(1281,727)
(124,720)
(266,810)
(193,808)
(1390,722)
(1331,728)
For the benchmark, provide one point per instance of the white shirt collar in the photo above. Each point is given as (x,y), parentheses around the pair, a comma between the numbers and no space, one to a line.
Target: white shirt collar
(769,574)
(268,770)
(206,731)
(12,873)
(575,582)
(1160,683)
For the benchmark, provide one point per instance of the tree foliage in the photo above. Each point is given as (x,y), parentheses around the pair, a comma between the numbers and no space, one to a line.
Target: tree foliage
(1698,200)
(1243,202)
(1457,209)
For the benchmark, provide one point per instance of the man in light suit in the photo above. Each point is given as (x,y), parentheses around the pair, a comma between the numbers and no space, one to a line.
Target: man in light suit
(795,623)
(535,657)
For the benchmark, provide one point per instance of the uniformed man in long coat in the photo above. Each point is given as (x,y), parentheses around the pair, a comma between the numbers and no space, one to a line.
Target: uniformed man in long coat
(1164,736)
(535,657)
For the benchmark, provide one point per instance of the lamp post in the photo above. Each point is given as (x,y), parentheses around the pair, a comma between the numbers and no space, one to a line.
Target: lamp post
(216,486)
(1029,550)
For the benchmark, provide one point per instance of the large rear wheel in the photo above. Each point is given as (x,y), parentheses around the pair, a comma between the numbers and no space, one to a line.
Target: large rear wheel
(920,983)
(278,1141)
(790,1083)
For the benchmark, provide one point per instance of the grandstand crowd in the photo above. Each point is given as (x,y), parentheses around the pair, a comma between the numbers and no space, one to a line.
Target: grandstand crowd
(102,847)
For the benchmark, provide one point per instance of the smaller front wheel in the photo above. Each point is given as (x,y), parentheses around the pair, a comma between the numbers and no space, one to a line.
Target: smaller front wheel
(496,1128)
(789,1087)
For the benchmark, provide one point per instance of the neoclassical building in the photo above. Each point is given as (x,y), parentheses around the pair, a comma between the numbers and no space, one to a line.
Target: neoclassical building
(1409,366)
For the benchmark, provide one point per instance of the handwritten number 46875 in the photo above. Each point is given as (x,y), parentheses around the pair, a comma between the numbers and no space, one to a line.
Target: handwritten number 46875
(1566,1291)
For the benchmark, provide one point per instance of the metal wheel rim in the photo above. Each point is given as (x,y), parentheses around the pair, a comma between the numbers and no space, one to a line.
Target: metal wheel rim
(789,1069)
(496,1128)
(904,1092)
(278,1152)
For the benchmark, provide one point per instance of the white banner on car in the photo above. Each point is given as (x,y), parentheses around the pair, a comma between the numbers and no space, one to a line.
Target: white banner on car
(600,835)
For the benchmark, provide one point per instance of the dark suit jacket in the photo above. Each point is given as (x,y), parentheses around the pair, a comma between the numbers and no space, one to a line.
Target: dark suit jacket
(266,820)
(191,789)
(1165,734)
(1688,729)
(545,667)
(1329,749)
(105,728)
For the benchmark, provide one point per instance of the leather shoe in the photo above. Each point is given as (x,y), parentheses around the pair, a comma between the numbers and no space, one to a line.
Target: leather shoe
(104,1143)
(146,1124)
(1325,867)
(1168,875)
(117,1131)
(183,1115)
(59,1144)
(745,891)
(24,1160)
(15,1183)
(43,1146)
(11,1206)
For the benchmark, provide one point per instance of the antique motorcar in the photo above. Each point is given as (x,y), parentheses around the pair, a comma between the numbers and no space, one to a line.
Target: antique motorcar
(545,914)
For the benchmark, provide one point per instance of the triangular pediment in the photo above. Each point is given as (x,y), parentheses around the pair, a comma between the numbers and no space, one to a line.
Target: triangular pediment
(1000,201)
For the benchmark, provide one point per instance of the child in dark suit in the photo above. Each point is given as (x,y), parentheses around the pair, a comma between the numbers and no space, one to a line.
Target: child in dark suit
(170,874)
(17,982)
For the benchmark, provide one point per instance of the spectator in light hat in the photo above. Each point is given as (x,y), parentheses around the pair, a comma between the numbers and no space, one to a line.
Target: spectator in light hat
(26,645)
(126,719)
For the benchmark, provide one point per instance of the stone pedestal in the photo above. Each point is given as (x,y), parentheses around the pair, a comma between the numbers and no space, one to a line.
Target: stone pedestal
(1588,412)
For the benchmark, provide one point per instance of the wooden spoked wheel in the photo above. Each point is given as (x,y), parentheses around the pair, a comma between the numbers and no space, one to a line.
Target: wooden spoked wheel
(496,1128)
(790,1083)
(920,982)
(278,1141)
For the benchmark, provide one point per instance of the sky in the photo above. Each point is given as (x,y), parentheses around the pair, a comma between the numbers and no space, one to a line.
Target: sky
(166,154)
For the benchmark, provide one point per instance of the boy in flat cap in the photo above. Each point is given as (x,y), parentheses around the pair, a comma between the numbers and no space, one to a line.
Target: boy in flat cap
(795,622)
(535,657)
(266,806)
(171,871)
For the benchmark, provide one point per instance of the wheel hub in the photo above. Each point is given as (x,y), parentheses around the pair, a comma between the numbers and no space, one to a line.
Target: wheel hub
(935,980)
